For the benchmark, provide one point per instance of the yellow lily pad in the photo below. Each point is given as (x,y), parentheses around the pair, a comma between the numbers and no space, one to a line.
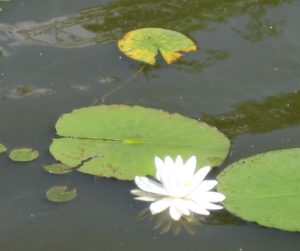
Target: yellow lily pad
(144,44)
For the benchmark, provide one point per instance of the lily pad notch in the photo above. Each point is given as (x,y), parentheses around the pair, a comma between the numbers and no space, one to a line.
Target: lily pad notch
(145,43)
(122,141)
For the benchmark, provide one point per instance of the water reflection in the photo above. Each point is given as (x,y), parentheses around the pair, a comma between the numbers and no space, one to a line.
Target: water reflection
(106,23)
(258,25)
(211,57)
(163,222)
(272,113)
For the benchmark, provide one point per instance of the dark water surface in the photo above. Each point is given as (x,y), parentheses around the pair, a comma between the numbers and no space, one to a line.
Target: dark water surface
(59,55)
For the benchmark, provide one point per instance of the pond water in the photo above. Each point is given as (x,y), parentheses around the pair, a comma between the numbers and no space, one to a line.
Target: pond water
(60,55)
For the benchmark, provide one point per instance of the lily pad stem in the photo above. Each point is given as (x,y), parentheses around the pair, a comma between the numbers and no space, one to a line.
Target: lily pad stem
(102,98)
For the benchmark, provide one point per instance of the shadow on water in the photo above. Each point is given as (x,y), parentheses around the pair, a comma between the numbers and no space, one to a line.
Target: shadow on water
(107,23)
(271,114)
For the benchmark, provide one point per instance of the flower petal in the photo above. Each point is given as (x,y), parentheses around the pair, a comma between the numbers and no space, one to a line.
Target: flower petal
(169,163)
(175,213)
(170,177)
(160,205)
(182,206)
(149,185)
(144,198)
(190,166)
(202,202)
(211,206)
(197,208)
(159,164)
(179,162)
(212,196)
(201,174)
(207,185)
(138,192)
(142,195)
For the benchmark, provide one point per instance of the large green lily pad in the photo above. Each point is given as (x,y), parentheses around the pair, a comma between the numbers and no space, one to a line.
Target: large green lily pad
(2,148)
(121,141)
(23,154)
(265,188)
(144,44)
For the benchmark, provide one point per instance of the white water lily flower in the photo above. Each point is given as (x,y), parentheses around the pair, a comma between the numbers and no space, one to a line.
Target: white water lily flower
(179,188)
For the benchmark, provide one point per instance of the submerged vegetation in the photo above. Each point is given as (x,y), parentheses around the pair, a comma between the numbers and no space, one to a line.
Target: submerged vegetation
(1,1)
(272,113)
(24,91)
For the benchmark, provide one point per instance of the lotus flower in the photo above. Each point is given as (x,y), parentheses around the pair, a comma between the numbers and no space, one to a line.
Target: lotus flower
(179,188)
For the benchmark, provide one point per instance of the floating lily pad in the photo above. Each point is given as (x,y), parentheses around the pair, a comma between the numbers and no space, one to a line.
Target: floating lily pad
(265,188)
(2,148)
(61,194)
(144,44)
(57,168)
(23,154)
(121,141)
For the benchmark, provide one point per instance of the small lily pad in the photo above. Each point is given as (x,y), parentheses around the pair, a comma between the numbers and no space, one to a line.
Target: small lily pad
(121,141)
(57,168)
(23,154)
(144,44)
(2,148)
(265,188)
(61,194)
